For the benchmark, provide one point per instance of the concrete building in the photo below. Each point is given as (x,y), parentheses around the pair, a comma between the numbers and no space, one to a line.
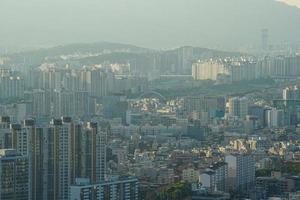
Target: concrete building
(294,196)
(241,171)
(190,175)
(274,118)
(238,107)
(240,70)
(268,187)
(115,107)
(72,150)
(59,153)
(93,152)
(233,70)
(214,106)
(207,70)
(14,175)
(208,180)
(11,86)
(291,93)
(265,39)
(99,84)
(56,162)
(28,140)
(215,177)
(279,66)
(41,103)
(5,134)
(124,188)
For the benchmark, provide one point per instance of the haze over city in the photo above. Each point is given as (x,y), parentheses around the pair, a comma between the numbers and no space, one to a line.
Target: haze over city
(149,99)
(229,24)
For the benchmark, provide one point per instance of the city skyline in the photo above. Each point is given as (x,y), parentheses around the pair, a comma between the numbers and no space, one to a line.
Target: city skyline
(149,100)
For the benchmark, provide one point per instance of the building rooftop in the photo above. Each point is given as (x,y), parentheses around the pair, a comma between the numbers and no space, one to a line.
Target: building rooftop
(7,152)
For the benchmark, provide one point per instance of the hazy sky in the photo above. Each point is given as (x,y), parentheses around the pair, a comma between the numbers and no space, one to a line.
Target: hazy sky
(148,23)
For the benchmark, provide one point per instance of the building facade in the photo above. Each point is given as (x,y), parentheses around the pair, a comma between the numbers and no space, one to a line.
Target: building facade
(14,175)
(126,189)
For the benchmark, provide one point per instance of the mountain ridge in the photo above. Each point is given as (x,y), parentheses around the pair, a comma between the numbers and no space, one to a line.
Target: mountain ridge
(104,51)
(154,24)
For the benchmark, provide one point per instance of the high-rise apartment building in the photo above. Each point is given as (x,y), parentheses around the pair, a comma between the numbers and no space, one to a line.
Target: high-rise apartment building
(215,177)
(214,106)
(58,103)
(238,107)
(56,160)
(94,152)
(291,93)
(63,103)
(229,70)
(58,153)
(87,151)
(41,103)
(99,85)
(185,57)
(14,175)
(265,39)
(71,81)
(208,70)
(279,66)
(28,140)
(123,188)
(241,171)
(11,86)
(274,118)
(84,105)
(5,133)
(115,107)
